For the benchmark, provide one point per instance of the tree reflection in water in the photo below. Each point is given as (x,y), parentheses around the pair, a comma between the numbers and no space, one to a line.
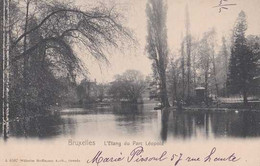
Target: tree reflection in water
(130,116)
(206,124)
(139,121)
(164,128)
(42,127)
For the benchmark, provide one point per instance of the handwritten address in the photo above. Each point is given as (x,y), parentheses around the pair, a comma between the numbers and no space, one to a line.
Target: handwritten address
(137,155)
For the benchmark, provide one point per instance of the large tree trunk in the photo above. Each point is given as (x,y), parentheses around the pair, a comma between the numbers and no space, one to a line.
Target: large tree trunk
(1,54)
(1,46)
(26,61)
(6,67)
(162,76)
(164,95)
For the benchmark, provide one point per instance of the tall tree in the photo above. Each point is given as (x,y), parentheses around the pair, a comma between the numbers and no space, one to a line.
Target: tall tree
(195,45)
(215,70)
(205,51)
(213,59)
(1,54)
(224,54)
(5,64)
(26,58)
(183,69)
(157,42)
(188,47)
(242,66)
(174,80)
(205,65)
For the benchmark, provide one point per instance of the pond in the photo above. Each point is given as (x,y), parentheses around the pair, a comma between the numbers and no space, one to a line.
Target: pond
(139,122)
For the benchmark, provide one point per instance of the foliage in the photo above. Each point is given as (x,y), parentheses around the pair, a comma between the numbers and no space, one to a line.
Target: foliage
(157,47)
(242,66)
(174,80)
(44,35)
(222,62)
(129,86)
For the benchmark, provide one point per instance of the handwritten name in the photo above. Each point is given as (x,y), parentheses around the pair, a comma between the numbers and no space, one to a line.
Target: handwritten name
(99,158)
(137,155)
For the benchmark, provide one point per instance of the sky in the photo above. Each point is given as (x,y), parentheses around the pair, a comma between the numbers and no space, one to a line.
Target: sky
(203,17)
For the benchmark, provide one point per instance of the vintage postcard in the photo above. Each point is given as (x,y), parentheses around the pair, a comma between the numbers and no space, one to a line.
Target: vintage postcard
(130,83)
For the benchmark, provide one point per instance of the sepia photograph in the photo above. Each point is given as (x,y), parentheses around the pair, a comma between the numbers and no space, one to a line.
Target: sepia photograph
(130,82)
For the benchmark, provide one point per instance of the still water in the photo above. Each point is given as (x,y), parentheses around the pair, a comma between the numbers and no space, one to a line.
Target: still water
(142,121)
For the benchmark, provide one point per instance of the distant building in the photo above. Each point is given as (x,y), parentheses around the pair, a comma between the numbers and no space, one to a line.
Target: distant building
(88,91)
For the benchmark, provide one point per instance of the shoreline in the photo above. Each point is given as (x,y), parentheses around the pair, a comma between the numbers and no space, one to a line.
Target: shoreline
(216,109)
(221,109)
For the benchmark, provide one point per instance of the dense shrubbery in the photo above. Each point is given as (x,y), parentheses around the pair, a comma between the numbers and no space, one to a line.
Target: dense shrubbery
(129,86)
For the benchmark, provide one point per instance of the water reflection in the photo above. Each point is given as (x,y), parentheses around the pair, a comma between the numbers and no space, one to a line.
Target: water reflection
(208,124)
(189,124)
(140,121)
(42,127)
(129,117)
(165,121)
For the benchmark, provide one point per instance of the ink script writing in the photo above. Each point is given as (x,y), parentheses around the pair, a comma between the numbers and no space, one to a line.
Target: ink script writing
(138,155)
(223,4)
